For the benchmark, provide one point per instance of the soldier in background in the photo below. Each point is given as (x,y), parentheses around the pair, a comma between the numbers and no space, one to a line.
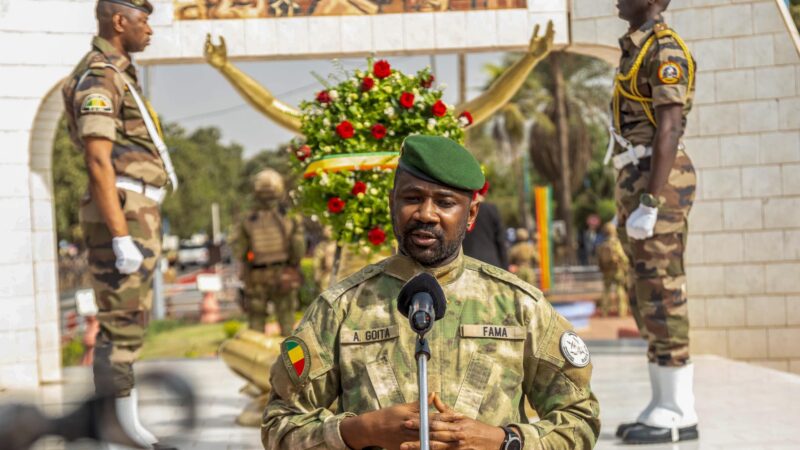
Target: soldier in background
(344,376)
(524,256)
(270,246)
(655,190)
(324,258)
(614,266)
(128,166)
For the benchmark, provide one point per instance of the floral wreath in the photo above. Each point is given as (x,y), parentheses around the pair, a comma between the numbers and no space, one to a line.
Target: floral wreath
(353,134)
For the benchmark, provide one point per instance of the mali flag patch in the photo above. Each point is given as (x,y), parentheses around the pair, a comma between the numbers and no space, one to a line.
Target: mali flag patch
(296,358)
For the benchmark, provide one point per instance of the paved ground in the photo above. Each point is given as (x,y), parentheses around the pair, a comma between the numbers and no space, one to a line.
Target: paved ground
(741,406)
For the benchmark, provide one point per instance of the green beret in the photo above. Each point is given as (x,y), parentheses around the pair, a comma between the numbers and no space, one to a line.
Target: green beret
(141,5)
(441,160)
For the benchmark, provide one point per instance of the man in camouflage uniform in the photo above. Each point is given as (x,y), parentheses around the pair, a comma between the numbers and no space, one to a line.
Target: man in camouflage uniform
(270,246)
(346,378)
(655,191)
(614,266)
(128,170)
(524,256)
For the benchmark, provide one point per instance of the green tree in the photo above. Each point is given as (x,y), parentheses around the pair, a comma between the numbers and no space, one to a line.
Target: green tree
(566,98)
(69,184)
(209,172)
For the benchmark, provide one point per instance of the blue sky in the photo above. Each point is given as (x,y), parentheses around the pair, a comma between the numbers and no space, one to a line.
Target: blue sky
(197,95)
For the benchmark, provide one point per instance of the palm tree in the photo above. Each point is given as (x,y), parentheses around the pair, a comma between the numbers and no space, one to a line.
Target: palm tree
(563,97)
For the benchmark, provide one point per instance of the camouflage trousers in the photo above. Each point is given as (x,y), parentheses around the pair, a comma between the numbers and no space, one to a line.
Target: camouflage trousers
(124,301)
(658,295)
(262,290)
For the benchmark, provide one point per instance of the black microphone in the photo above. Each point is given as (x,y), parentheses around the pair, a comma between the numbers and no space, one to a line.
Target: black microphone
(422,301)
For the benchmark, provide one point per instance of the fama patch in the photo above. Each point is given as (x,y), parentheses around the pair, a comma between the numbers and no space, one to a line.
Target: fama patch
(574,349)
(296,358)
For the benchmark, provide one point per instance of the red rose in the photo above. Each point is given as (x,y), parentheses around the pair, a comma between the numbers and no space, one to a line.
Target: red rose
(367,83)
(467,118)
(359,188)
(428,82)
(323,97)
(303,152)
(378,131)
(407,100)
(345,130)
(382,69)
(439,108)
(335,205)
(376,236)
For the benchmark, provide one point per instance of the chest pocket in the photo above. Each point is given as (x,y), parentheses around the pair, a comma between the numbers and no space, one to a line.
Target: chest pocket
(491,384)
(379,348)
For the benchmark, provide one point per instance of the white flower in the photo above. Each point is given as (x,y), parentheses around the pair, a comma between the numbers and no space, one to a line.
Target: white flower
(431,123)
(389,111)
(314,218)
(391,133)
(442,86)
(447,134)
(373,191)
(334,94)
(415,91)
(358,230)
(326,122)
(326,213)
(324,180)
(349,225)
(463,121)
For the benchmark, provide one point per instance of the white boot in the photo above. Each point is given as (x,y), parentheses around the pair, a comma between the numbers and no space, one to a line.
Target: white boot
(126,413)
(140,428)
(655,396)
(675,408)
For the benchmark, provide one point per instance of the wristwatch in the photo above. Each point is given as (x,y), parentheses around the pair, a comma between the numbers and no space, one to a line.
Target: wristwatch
(512,440)
(649,200)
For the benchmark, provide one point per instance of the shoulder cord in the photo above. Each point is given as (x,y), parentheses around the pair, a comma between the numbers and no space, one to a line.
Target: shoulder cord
(632,78)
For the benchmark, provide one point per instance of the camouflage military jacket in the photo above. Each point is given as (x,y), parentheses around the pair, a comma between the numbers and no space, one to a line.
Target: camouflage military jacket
(497,346)
(98,104)
(662,77)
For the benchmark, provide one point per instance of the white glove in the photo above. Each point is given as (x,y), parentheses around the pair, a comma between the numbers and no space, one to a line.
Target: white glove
(129,258)
(642,222)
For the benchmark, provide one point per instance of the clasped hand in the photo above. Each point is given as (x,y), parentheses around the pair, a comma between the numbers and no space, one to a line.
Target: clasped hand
(397,427)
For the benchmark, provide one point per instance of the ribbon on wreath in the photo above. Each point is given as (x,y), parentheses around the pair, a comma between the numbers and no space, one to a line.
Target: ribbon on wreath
(352,162)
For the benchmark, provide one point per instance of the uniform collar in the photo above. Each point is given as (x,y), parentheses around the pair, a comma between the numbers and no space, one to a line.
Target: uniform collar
(112,54)
(639,37)
(402,267)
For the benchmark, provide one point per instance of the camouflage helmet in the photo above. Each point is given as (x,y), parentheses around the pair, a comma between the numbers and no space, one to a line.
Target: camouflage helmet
(522,235)
(269,183)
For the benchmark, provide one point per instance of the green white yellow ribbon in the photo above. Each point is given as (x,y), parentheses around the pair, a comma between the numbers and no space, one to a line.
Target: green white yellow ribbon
(352,162)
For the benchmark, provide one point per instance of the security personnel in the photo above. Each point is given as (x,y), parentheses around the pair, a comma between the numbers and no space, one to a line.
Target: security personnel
(614,266)
(129,168)
(524,256)
(270,246)
(499,344)
(655,190)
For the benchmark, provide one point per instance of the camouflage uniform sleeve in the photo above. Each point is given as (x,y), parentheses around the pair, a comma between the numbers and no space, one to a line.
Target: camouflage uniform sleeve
(557,390)
(668,73)
(299,414)
(241,242)
(97,104)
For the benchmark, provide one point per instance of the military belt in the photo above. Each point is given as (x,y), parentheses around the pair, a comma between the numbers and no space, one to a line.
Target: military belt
(152,192)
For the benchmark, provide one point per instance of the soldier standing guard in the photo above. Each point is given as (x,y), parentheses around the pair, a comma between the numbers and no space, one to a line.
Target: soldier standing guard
(614,266)
(345,375)
(128,167)
(655,190)
(524,256)
(270,246)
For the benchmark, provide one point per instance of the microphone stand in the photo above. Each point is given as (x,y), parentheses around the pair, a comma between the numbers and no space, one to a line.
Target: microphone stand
(423,353)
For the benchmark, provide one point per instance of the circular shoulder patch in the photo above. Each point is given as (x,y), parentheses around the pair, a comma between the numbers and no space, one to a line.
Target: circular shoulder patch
(574,349)
(296,358)
(670,72)
(97,103)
